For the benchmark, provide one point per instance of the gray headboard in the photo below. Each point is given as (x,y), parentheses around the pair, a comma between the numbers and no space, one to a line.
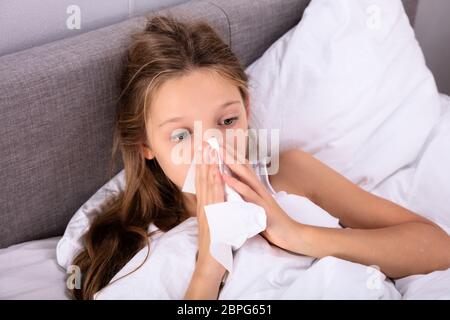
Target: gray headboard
(57,106)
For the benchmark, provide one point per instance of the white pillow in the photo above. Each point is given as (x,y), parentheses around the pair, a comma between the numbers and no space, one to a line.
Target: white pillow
(349,85)
(424,186)
(71,242)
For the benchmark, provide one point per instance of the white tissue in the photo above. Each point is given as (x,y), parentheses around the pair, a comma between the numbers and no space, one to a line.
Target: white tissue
(231,222)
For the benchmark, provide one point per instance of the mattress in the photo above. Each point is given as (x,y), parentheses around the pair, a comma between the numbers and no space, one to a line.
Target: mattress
(29,270)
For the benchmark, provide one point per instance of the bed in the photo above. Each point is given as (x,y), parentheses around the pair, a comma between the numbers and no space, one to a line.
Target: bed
(63,125)
(29,270)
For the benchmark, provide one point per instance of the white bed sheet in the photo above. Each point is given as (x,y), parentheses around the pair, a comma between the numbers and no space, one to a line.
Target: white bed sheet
(29,270)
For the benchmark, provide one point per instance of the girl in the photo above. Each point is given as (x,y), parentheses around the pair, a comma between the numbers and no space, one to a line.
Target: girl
(178,73)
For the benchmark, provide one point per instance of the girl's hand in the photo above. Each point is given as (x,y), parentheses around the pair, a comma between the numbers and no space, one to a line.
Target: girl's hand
(280,226)
(208,273)
(209,189)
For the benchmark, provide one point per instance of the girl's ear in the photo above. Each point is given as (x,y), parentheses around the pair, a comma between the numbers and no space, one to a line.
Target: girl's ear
(147,152)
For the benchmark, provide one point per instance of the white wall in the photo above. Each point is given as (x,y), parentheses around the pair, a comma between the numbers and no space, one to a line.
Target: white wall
(432,27)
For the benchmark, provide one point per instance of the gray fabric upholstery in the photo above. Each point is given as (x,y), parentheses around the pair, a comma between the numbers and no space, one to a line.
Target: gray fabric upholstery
(411,9)
(29,23)
(57,106)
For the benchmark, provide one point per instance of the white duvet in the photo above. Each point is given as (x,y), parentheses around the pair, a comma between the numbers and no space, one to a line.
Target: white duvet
(260,270)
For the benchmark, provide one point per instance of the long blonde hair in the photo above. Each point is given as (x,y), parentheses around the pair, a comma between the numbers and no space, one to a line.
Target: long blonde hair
(165,49)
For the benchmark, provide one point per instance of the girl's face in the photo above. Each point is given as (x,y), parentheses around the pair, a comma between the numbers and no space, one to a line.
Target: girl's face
(204,97)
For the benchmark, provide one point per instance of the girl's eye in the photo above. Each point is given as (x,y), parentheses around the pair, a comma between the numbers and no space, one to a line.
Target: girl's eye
(229,121)
(180,136)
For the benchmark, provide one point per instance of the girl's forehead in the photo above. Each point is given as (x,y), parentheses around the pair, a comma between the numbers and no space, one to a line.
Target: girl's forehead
(197,91)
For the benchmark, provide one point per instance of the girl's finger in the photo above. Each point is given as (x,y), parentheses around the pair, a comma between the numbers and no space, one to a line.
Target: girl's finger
(197,157)
(210,183)
(201,174)
(243,189)
(218,193)
(217,190)
(211,174)
(231,155)
(243,170)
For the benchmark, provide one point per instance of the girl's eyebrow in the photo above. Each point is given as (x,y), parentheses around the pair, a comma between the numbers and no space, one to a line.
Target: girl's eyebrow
(226,104)
(175,119)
